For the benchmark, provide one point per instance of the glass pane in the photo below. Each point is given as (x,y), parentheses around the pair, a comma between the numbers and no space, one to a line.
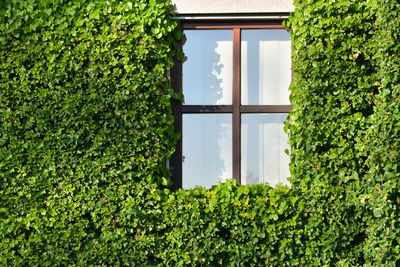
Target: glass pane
(207,149)
(265,64)
(263,149)
(207,70)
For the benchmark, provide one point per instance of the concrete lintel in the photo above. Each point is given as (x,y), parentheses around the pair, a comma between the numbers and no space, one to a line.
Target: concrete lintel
(231,6)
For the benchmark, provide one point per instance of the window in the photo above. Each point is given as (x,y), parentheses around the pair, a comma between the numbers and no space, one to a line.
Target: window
(234,79)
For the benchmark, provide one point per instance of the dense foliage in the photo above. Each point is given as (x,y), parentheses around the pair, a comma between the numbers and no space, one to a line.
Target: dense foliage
(344,130)
(382,184)
(333,97)
(86,128)
(230,225)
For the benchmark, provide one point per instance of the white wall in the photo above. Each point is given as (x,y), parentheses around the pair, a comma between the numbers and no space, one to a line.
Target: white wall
(232,6)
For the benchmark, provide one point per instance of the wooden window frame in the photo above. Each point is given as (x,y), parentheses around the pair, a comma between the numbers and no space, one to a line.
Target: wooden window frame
(236,109)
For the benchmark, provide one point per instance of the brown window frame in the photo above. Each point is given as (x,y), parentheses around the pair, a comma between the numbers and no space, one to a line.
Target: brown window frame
(236,109)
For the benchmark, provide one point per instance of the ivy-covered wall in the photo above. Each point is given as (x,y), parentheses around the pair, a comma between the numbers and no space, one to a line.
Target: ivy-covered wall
(382,184)
(86,128)
(345,130)
(333,96)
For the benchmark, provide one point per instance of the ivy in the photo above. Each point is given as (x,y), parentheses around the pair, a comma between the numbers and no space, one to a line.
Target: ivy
(343,130)
(382,197)
(86,128)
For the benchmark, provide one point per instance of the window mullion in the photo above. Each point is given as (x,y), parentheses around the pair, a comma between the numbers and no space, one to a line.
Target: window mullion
(236,138)
(207,109)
